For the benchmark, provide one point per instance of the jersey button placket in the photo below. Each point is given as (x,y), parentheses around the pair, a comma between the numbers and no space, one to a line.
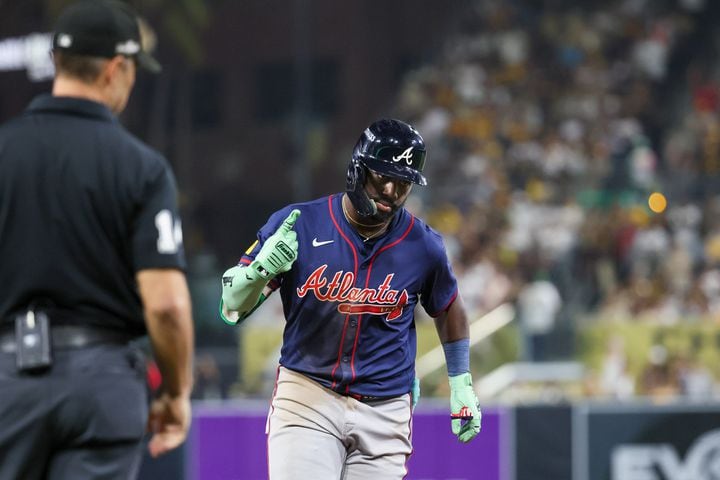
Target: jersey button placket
(346,358)
(353,325)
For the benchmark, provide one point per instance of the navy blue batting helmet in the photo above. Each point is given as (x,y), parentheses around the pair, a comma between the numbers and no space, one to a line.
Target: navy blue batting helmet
(390,147)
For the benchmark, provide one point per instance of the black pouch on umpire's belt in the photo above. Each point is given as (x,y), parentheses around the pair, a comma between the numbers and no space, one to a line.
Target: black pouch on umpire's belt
(32,342)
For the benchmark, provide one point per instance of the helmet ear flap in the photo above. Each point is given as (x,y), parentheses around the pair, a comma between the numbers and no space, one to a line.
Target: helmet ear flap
(355,188)
(355,176)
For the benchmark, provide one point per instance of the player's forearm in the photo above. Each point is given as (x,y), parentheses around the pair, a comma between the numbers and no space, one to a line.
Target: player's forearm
(242,289)
(453,330)
(453,325)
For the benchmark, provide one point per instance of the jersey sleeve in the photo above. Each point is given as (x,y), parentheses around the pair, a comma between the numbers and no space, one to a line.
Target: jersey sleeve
(440,287)
(157,231)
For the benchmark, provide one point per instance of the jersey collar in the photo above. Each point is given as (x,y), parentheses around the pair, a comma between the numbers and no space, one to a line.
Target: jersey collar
(71,106)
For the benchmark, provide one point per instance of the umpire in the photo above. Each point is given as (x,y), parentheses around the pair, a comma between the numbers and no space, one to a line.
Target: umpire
(91,258)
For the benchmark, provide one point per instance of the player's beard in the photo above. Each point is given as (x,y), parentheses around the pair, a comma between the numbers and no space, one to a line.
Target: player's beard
(385,216)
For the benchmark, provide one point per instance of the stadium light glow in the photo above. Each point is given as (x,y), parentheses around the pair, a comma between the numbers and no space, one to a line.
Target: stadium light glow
(31,53)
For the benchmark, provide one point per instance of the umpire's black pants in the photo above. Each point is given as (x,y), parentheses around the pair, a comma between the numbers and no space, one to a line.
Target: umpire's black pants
(83,419)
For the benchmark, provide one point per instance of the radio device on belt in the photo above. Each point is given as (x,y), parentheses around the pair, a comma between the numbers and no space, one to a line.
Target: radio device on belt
(32,341)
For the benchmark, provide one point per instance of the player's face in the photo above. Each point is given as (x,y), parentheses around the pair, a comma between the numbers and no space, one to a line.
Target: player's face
(388,193)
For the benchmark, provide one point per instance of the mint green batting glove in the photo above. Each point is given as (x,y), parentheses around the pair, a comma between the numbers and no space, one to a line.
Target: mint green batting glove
(415,392)
(464,409)
(279,251)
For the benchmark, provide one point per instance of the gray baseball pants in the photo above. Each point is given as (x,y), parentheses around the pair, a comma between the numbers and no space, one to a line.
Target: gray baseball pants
(315,433)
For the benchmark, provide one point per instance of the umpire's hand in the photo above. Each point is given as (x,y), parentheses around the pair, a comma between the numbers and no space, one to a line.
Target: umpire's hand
(169,422)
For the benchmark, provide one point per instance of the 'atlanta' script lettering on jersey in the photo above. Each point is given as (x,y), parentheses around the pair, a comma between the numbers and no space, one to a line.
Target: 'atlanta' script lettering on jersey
(355,301)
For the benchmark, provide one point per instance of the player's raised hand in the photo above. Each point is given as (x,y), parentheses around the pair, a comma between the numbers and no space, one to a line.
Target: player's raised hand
(289,222)
(464,410)
(280,249)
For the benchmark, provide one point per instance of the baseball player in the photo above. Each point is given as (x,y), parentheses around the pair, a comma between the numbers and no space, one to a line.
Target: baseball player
(351,267)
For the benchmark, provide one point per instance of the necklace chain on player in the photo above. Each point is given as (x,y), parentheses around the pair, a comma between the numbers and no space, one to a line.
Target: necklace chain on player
(358,224)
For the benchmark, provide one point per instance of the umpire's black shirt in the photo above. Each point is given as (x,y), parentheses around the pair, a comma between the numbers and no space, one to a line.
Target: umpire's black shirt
(83,206)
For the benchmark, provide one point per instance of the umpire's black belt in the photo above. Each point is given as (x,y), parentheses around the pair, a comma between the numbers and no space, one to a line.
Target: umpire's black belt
(70,336)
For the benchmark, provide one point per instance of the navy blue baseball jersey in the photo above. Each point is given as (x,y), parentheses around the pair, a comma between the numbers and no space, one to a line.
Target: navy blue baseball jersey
(349,304)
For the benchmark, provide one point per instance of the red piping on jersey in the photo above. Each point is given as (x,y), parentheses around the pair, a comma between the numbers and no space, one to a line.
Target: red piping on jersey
(367,282)
(355,269)
(447,305)
(245,261)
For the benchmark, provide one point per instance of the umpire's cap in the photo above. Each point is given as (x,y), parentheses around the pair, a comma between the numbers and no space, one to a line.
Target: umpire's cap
(102,28)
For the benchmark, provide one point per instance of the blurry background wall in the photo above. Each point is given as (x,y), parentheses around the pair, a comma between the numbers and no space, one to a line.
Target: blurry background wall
(549,126)
(259,102)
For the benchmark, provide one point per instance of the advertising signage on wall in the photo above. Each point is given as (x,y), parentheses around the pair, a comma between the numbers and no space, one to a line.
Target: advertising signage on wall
(543,442)
(227,443)
(646,442)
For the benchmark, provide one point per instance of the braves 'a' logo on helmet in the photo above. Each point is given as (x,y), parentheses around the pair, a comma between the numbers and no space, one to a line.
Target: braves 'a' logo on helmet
(406,155)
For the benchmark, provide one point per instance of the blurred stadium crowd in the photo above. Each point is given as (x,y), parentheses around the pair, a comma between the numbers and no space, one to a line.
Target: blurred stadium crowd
(549,134)
(548,129)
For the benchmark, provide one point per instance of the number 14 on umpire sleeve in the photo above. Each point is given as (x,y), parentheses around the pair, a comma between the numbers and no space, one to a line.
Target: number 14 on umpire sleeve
(169,232)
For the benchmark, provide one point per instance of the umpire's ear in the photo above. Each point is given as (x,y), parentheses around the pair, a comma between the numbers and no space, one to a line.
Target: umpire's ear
(115,82)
